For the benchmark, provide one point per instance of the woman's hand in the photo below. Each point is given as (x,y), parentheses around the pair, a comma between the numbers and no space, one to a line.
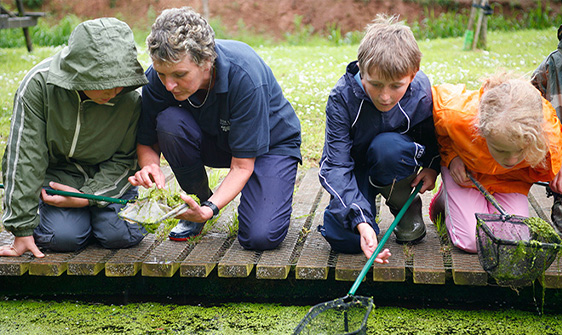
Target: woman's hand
(19,246)
(62,200)
(195,213)
(369,243)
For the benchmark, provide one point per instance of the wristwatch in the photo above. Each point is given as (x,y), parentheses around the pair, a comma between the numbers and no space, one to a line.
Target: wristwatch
(211,206)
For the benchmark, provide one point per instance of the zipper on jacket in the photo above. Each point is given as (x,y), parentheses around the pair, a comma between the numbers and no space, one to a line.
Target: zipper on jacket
(78,125)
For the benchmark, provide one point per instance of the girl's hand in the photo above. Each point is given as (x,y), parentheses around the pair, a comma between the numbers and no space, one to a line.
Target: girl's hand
(457,169)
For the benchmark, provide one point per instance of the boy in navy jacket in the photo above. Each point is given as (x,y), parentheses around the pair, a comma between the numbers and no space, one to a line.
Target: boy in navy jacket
(379,132)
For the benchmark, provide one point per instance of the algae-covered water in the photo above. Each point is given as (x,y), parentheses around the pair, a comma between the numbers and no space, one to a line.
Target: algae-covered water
(48,317)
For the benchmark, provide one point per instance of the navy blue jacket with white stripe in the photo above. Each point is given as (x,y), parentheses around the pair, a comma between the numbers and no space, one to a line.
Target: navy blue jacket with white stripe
(352,122)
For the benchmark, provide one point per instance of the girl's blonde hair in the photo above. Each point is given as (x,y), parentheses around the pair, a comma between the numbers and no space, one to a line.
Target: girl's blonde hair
(389,49)
(513,108)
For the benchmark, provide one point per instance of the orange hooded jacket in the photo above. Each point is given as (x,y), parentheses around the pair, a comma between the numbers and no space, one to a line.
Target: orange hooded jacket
(454,113)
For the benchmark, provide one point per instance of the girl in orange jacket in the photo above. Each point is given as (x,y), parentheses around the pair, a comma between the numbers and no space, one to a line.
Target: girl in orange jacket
(506,136)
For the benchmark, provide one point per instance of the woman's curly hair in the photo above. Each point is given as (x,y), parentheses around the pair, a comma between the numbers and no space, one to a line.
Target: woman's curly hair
(178,32)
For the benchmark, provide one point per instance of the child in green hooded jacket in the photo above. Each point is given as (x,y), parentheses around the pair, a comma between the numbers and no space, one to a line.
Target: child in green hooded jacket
(73,128)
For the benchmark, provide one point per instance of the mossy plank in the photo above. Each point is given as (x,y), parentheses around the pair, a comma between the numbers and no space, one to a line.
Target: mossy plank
(466,269)
(237,262)
(90,261)
(203,258)
(128,262)
(164,260)
(315,254)
(274,264)
(349,266)
(52,265)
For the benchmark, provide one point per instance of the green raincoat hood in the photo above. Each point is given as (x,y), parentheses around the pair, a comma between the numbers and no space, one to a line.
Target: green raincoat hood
(101,54)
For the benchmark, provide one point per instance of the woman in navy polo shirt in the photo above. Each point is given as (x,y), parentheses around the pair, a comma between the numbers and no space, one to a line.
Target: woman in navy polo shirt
(216,103)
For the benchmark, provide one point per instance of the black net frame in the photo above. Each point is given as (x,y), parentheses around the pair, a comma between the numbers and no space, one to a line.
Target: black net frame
(510,252)
(347,315)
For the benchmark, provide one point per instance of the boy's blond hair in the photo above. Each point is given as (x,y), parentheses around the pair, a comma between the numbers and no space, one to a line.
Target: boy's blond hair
(514,107)
(389,49)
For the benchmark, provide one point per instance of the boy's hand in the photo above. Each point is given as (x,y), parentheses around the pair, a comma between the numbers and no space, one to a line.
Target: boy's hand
(369,243)
(428,176)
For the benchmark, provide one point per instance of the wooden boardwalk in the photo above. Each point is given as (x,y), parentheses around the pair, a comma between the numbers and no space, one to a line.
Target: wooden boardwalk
(303,256)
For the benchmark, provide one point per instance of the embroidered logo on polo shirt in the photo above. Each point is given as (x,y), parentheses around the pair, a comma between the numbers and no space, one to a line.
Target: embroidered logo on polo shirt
(225,125)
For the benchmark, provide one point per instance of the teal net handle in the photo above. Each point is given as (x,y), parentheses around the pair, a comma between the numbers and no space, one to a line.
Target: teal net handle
(383,240)
(85,196)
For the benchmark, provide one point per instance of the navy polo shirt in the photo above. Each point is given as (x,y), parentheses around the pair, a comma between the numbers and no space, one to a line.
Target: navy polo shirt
(246,112)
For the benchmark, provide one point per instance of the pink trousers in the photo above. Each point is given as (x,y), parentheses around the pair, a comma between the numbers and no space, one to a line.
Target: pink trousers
(460,204)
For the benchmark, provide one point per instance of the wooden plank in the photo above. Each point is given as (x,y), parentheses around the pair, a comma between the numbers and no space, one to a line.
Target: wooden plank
(466,268)
(237,261)
(428,266)
(315,255)
(13,266)
(7,22)
(164,260)
(204,257)
(395,270)
(276,264)
(128,262)
(90,261)
(349,266)
(53,264)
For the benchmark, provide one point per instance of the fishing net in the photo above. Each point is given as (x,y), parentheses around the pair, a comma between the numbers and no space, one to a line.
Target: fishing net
(515,250)
(347,315)
(153,207)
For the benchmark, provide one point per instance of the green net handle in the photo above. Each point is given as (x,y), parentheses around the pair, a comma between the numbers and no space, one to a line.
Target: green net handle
(85,196)
(383,240)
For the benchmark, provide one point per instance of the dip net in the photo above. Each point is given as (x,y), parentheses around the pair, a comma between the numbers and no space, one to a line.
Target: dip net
(347,315)
(515,250)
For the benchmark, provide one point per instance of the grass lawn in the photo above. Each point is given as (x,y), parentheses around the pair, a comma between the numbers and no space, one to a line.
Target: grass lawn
(307,74)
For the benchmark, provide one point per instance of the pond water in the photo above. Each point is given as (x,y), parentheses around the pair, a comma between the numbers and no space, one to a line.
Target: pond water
(74,317)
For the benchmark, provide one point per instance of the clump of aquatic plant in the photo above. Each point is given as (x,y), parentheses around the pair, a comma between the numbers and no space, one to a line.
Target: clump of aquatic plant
(148,210)
(541,230)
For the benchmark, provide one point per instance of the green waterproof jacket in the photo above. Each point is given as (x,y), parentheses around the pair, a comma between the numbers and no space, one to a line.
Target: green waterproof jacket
(57,136)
